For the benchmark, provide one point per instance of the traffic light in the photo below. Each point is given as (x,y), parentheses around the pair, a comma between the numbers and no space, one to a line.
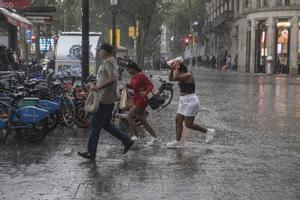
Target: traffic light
(33,39)
(186,41)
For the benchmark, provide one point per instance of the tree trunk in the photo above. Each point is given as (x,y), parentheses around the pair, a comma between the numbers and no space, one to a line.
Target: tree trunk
(145,23)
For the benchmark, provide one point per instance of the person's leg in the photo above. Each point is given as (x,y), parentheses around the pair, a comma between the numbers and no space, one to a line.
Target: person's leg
(133,112)
(106,115)
(210,133)
(143,118)
(189,123)
(97,123)
(179,126)
(118,133)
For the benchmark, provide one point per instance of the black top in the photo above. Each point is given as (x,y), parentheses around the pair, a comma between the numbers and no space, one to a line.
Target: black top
(188,88)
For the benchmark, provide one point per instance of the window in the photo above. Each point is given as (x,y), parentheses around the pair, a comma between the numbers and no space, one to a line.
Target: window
(246,3)
(286,2)
(258,4)
(265,3)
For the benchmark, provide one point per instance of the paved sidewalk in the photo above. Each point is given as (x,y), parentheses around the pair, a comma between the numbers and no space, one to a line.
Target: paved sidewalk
(255,156)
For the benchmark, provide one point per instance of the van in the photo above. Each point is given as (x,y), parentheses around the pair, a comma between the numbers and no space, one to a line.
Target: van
(68,53)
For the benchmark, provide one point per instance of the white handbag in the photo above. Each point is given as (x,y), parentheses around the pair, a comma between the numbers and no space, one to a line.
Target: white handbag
(92,102)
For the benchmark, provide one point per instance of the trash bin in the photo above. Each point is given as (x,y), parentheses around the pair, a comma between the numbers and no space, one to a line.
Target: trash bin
(269,65)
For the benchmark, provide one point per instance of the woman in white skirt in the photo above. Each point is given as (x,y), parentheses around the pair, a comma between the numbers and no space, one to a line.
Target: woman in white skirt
(188,106)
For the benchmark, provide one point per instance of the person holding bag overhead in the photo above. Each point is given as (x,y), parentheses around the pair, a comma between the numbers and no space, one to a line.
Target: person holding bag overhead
(188,103)
(142,88)
(105,88)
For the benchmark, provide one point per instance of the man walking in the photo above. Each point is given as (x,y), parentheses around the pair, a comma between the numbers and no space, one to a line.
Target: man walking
(106,85)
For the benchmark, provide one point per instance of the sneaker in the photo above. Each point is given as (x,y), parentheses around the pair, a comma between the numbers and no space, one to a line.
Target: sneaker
(128,146)
(153,141)
(87,155)
(173,145)
(210,135)
(134,138)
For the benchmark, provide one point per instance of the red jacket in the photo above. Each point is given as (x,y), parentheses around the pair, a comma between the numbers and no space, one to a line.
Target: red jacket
(140,83)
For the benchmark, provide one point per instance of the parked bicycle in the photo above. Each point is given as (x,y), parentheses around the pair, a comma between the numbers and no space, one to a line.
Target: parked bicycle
(29,122)
(166,91)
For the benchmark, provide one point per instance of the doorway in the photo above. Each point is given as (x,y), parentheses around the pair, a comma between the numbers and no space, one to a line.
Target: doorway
(282,47)
(260,46)
(248,47)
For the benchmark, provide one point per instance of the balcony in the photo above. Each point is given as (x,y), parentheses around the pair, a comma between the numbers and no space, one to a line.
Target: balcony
(226,16)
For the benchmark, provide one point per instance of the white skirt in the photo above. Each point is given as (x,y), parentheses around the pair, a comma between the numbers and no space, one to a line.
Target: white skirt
(188,105)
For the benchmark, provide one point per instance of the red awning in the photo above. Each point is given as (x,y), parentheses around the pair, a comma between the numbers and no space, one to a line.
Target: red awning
(15,19)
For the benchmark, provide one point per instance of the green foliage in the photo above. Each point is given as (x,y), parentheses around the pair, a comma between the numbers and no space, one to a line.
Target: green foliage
(150,14)
(177,19)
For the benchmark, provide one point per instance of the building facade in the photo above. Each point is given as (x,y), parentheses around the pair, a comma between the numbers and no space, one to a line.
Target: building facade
(254,31)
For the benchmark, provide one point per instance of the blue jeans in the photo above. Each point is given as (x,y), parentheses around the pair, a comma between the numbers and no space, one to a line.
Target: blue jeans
(102,119)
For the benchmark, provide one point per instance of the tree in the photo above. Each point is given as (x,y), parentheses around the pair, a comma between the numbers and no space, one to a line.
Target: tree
(148,13)
(178,21)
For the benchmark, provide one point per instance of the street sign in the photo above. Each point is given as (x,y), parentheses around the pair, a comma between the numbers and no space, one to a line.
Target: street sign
(19,4)
(40,19)
(29,36)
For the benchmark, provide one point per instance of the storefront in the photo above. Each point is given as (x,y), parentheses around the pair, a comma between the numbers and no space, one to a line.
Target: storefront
(10,23)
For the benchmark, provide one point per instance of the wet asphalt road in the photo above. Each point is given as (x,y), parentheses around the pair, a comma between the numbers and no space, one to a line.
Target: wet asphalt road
(256,154)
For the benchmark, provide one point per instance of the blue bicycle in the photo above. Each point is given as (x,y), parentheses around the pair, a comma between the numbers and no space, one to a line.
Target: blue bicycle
(29,122)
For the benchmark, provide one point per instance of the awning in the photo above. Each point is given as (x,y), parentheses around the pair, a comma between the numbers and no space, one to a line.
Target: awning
(15,19)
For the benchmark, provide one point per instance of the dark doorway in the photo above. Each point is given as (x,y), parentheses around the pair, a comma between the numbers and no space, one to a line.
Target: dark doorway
(260,47)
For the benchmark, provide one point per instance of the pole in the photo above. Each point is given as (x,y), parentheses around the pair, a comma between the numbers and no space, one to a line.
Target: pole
(114,35)
(191,31)
(134,48)
(37,42)
(85,40)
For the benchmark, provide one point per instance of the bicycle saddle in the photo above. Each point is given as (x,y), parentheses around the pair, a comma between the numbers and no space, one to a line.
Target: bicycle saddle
(17,96)
(20,88)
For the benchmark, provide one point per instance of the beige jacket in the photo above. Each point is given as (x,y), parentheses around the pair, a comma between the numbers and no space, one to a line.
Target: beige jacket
(107,95)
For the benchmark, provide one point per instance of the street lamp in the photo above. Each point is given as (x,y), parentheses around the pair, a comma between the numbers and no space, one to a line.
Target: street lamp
(114,4)
(191,29)
(85,41)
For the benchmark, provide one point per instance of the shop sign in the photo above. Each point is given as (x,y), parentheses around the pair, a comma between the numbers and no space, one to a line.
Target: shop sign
(39,19)
(19,4)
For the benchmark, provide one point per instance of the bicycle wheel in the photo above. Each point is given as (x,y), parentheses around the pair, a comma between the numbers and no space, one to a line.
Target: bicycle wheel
(52,122)
(167,95)
(55,91)
(68,111)
(82,117)
(34,134)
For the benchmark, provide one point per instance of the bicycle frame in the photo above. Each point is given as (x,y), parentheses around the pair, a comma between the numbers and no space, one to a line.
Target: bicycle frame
(19,118)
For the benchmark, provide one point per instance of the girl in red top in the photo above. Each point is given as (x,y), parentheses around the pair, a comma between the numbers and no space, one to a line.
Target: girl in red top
(142,87)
